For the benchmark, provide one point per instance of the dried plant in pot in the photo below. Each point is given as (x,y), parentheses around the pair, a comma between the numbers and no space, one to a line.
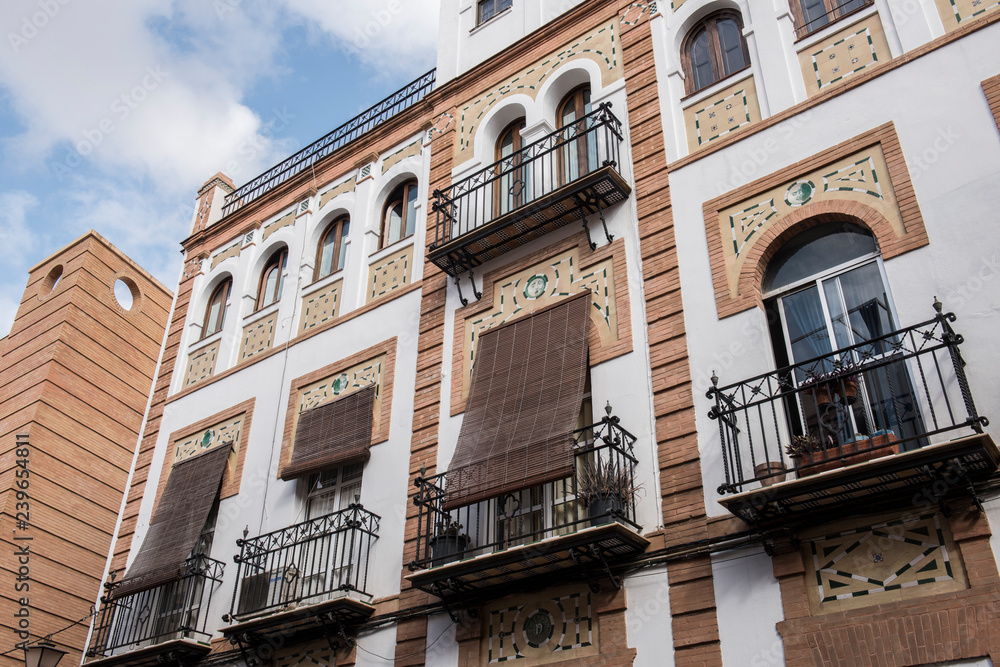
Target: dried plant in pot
(448,542)
(608,488)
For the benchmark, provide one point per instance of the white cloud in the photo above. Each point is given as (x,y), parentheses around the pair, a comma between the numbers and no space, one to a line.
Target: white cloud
(388,36)
(136,85)
(14,232)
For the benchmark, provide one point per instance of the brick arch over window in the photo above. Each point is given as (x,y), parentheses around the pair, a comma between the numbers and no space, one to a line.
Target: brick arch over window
(812,215)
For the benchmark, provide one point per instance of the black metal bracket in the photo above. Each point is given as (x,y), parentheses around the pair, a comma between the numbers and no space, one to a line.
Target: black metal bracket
(574,555)
(247,642)
(334,626)
(472,276)
(458,285)
(453,614)
(170,657)
(598,553)
(583,220)
(604,223)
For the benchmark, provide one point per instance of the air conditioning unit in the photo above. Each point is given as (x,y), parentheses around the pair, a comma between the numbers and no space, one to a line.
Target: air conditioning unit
(269,591)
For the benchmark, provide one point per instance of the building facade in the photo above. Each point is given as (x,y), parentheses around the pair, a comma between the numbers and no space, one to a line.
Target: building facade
(634,333)
(75,376)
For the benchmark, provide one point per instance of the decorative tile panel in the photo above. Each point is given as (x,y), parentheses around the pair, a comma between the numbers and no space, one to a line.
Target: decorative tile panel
(201,364)
(545,628)
(861,177)
(540,285)
(843,54)
(314,654)
(389,274)
(887,562)
(600,45)
(337,190)
(258,336)
(226,432)
(231,251)
(320,306)
(393,159)
(959,12)
(340,384)
(283,221)
(637,12)
(722,113)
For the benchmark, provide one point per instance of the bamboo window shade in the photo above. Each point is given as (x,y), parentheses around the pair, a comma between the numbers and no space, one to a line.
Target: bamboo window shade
(524,400)
(333,434)
(177,523)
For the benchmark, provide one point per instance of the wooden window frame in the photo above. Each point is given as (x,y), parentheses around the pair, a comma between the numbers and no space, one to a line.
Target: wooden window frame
(517,144)
(499,6)
(337,228)
(399,194)
(833,10)
(223,289)
(277,262)
(575,96)
(710,25)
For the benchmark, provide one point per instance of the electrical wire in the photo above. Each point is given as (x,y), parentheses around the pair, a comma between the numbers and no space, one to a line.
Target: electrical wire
(93,612)
(408,655)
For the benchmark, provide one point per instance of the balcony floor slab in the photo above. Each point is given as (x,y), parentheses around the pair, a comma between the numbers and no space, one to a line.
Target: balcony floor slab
(181,650)
(550,560)
(346,610)
(526,223)
(896,480)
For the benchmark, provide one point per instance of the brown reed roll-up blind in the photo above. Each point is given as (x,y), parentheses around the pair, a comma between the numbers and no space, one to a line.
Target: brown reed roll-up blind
(177,523)
(333,434)
(527,387)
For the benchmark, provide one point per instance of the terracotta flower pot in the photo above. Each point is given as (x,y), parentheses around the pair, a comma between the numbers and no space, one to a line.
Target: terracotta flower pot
(855,451)
(770,472)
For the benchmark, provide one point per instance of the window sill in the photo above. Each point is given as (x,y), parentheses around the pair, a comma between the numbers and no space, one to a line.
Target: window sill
(261,314)
(206,341)
(721,84)
(389,249)
(325,281)
(822,31)
(491,19)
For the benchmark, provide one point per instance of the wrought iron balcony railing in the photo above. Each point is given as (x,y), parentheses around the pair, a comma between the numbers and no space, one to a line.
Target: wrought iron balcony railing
(177,610)
(561,178)
(304,564)
(601,491)
(391,106)
(886,395)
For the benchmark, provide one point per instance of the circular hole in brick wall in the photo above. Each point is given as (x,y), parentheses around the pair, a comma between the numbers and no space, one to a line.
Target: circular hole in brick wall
(51,279)
(126,293)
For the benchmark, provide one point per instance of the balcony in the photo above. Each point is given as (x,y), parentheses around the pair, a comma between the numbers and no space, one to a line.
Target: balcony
(558,180)
(885,423)
(169,620)
(564,530)
(361,124)
(301,578)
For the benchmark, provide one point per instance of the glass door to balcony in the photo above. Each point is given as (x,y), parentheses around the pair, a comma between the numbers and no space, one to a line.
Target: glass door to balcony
(578,155)
(326,563)
(824,314)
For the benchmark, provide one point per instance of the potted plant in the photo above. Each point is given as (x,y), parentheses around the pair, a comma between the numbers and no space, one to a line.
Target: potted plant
(608,489)
(840,383)
(807,450)
(448,542)
(770,472)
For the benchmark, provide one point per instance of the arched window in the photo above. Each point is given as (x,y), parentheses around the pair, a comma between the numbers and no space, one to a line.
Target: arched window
(332,251)
(399,217)
(811,15)
(271,279)
(513,184)
(827,300)
(215,311)
(713,50)
(578,155)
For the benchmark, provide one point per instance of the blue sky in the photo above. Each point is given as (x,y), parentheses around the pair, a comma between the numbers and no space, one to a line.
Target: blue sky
(112,113)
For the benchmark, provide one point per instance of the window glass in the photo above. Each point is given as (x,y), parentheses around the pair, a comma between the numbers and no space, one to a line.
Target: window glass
(701,61)
(731,43)
(815,251)
(215,313)
(332,250)
(271,280)
(400,218)
(333,490)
